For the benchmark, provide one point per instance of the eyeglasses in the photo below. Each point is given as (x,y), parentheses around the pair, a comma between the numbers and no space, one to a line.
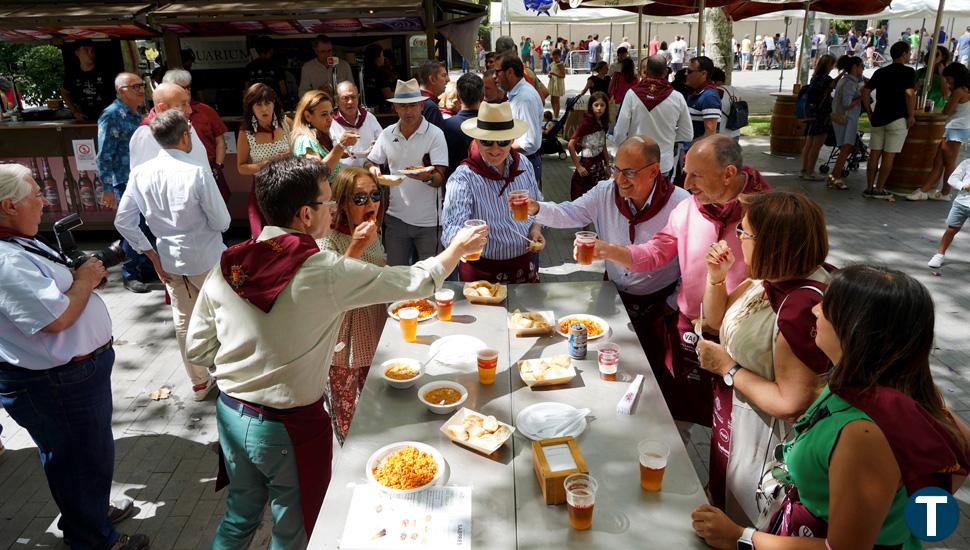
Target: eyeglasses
(742,234)
(137,87)
(630,173)
(490,142)
(360,199)
(331,205)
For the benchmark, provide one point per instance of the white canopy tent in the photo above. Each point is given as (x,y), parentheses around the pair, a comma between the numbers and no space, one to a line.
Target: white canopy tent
(915,9)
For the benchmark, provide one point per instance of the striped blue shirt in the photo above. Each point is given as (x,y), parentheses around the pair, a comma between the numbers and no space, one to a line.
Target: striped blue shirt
(470,196)
(705,105)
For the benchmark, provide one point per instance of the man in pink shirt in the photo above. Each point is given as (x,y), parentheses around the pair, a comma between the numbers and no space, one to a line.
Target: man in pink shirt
(716,177)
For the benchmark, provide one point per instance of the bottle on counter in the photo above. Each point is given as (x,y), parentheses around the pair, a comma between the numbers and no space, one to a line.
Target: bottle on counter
(69,191)
(35,172)
(86,190)
(98,190)
(49,186)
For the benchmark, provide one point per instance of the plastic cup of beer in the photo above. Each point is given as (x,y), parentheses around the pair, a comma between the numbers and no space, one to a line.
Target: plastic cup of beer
(608,360)
(519,203)
(487,363)
(653,463)
(444,299)
(580,498)
(585,243)
(409,323)
(474,255)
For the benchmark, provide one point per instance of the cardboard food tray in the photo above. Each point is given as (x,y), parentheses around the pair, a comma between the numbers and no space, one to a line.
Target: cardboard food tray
(487,300)
(534,331)
(549,381)
(459,417)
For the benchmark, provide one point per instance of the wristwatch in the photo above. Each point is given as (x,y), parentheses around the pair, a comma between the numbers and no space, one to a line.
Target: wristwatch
(729,375)
(745,542)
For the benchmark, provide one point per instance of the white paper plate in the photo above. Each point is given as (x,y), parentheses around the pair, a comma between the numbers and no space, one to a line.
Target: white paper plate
(473,444)
(380,454)
(395,305)
(530,420)
(602,322)
(458,350)
(415,172)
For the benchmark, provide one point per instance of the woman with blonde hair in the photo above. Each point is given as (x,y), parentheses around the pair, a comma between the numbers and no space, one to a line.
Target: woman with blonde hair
(355,235)
(448,100)
(311,131)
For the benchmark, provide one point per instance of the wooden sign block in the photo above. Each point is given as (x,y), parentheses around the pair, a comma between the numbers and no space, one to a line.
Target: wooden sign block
(553,460)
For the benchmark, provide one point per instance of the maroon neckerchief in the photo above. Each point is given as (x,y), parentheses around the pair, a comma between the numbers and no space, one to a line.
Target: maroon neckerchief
(477,164)
(662,192)
(729,214)
(325,140)
(652,91)
(707,85)
(924,449)
(796,320)
(258,271)
(149,117)
(6,233)
(429,95)
(589,125)
(338,117)
(447,111)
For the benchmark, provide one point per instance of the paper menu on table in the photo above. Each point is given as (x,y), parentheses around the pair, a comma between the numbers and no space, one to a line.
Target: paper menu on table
(438,518)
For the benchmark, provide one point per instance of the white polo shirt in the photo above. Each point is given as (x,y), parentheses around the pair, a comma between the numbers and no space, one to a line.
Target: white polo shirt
(143,147)
(414,202)
(368,132)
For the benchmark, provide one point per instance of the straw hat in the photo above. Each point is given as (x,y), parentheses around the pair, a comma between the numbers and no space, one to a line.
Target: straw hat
(494,122)
(407,92)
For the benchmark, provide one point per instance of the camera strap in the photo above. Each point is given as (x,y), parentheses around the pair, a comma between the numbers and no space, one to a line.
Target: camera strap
(58,259)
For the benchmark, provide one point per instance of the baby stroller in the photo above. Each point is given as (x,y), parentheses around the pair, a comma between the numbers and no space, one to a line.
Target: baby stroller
(857,158)
(550,138)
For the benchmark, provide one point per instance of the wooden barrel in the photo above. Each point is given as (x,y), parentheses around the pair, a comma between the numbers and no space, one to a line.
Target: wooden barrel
(914,162)
(787,132)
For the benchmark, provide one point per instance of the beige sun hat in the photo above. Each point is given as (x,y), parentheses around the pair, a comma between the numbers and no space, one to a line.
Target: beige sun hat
(407,92)
(494,122)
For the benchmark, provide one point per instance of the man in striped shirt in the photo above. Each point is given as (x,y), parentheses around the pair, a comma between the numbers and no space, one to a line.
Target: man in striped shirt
(479,189)
(704,103)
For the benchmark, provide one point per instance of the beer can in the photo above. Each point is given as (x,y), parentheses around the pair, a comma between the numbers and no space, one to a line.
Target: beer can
(577,341)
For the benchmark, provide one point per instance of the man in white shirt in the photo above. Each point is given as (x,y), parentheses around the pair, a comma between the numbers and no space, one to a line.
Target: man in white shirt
(769,51)
(678,49)
(317,73)
(630,208)
(607,45)
(595,51)
(413,217)
(272,424)
(654,109)
(350,116)
(143,146)
(526,105)
(184,210)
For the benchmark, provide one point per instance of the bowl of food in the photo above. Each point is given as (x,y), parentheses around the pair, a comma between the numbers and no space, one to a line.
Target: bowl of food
(405,467)
(596,327)
(401,373)
(547,371)
(426,309)
(442,397)
(484,292)
(530,323)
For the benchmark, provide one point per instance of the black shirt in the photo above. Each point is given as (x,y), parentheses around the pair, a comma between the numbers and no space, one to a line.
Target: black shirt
(458,141)
(599,84)
(890,84)
(431,112)
(265,71)
(375,80)
(91,91)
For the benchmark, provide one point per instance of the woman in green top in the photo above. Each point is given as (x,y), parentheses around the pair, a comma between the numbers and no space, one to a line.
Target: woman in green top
(878,432)
(310,135)
(939,90)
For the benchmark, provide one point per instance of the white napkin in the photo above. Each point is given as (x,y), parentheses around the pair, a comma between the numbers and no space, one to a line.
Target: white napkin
(625,406)
(556,424)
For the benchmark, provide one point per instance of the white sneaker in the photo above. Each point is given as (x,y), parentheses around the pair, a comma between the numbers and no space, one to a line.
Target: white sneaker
(917,195)
(937,196)
(936,261)
(202,390)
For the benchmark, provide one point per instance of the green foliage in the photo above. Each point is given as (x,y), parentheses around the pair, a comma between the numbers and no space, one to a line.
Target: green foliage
(39,70)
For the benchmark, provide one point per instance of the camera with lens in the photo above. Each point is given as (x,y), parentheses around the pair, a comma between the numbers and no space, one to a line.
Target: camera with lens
(110,255)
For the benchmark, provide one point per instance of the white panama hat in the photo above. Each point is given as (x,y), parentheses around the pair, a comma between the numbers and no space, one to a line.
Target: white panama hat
(407,92)
(494,122)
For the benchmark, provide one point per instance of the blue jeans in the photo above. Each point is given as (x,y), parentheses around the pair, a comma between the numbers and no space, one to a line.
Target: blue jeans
(546,62)
(138,266)
(67,412)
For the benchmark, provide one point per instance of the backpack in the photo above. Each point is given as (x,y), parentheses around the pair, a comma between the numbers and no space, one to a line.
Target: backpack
(737,115)
(806,103)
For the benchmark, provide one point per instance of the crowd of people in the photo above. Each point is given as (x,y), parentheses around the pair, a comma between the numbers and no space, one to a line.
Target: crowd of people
(746,327)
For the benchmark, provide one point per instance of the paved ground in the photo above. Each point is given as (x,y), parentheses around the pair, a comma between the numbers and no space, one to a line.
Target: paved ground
(164,459)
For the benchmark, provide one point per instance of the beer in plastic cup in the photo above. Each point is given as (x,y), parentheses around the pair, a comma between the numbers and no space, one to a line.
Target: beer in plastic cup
(474,255)
(409,323)
(608,359)
(519,203)
(585,243)
(487,363)
(580,498)
(444,299)
(653,463)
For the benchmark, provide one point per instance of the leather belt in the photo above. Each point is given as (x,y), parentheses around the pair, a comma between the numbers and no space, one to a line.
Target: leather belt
(77,359)
(254,410)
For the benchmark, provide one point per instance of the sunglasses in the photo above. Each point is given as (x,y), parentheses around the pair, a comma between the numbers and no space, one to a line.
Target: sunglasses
(742,234)
(360,199)
(490,142)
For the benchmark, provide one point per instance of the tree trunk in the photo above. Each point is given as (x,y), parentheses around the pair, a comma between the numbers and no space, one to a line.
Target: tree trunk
(718,31)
